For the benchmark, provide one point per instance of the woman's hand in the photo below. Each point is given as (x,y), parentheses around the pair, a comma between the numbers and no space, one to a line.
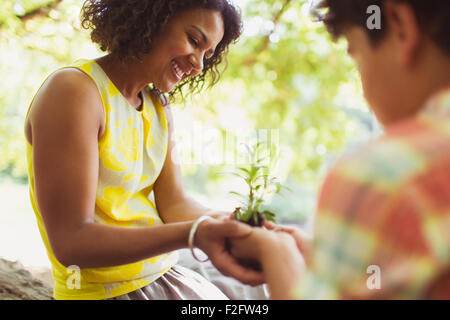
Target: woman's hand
(220,215)
(211,238)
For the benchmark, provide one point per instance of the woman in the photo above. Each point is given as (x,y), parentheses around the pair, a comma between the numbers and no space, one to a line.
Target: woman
(108,198)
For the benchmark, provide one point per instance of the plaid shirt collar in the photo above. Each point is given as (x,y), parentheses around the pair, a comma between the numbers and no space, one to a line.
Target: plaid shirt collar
(438,104)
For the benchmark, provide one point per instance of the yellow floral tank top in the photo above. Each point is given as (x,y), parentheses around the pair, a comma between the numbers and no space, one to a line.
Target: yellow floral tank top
(132,151)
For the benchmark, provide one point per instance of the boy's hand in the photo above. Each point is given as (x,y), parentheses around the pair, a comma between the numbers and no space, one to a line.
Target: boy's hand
(303,240)
(260,243)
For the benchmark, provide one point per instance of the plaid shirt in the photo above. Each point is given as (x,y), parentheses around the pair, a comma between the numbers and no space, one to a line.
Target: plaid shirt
(383,223)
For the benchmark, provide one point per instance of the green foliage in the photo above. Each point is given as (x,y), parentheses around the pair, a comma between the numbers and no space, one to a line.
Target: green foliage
(36,38)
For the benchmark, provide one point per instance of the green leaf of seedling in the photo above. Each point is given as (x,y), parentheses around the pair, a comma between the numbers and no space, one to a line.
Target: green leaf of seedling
(262,159)
(258,201)
(270,218)
(259,160)
(278,187)
(262,176)
(234,193)
(267,212)
(283,188)
(245,170)
(239,175)
(268,215)
(254,172)
(272,179)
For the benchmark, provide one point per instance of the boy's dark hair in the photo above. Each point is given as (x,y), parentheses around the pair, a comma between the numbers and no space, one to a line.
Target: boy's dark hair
(433,17)
(127,28)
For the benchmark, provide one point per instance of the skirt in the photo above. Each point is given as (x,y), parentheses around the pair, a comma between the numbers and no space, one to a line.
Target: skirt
(179,283)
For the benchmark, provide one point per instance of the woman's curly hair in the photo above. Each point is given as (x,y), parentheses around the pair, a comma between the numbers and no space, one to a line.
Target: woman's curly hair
(116,25)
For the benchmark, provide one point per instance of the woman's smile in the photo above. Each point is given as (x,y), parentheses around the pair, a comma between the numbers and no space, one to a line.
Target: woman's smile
(179,71)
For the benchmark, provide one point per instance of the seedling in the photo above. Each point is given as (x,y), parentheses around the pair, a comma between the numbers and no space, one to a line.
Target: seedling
(260,185)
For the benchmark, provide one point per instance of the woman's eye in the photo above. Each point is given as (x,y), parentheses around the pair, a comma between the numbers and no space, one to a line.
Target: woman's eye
(193,41)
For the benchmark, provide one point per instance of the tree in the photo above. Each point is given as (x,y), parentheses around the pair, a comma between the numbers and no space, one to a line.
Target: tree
(284,74)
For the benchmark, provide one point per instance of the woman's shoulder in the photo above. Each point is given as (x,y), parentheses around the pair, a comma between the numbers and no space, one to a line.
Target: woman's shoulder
(63,94)
(68,78)
(64,88)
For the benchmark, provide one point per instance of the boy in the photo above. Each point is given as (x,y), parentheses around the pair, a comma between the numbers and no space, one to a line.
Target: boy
(383,221)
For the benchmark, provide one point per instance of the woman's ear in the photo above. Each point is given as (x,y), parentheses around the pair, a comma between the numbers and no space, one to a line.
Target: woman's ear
(405,30)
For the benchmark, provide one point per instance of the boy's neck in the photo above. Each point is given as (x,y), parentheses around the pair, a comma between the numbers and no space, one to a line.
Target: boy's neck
(427,79)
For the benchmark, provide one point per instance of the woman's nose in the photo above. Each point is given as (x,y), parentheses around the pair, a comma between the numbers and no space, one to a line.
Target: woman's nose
(196,60)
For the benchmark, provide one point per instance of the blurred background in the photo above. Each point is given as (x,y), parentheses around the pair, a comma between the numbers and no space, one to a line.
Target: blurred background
(284,76)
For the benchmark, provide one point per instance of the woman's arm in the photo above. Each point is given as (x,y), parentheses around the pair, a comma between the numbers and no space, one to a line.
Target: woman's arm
(173,203)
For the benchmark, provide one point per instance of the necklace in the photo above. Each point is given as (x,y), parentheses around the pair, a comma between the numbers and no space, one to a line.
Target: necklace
(139,108)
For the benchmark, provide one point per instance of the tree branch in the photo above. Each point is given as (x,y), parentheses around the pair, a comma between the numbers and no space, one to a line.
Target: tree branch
(42,11)
(266,40)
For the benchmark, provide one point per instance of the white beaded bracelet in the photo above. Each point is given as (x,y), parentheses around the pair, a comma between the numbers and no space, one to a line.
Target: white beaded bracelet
(192,235)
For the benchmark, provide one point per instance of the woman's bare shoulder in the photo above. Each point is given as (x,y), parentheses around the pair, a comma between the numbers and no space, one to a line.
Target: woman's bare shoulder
(64,93)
